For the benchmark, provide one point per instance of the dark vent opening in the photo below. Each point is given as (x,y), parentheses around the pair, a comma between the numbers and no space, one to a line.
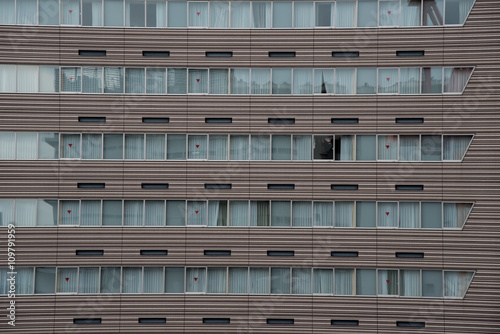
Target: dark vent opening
(219,54)
(156,53)
(91,185)
(281,54)
(345,54)
(218,120)
(410,53)
(155,120)
(281,120)
(345,120)
(281,186)
(280,253)
(87,321)
(92,53)
(154,185)
(410,187)
(92,119)
(93,252)
(218,186)
(410,324)
(344,254)
(152,320)
(217,252)
(154,252)
(409,120)
(216,320)
(280,321)
(344,187)
(345,322)
(410,255)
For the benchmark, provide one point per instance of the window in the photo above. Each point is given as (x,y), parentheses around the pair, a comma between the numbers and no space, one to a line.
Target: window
(177,80)
(366,80)
(456,283)
(280,281)
(240,78)
(344,280)
(219,81)
(156,81)
(344,148)
(134,81)
(198,80)
(323,147)
(303,14)
(196,280)
(280,213)
(154,213)
(112,213)
(197,213)
(302,81)
(219,14)
(323,281)
(457,11)
(410,283)
(176,147)
(344,81)
(282,14)
(367,13)
(261,14)
(301,281)
(387,214)
(92,13)
(409,148)
(433,13)
(388,147)
(344,214)
(388,13)
(388,80)
(301,214)
(346,14)
(216,280)
(90,213)
(134,13)
(455,147)
(323,214)
(324,81)
(113,146)
(239,147)
(432,80)
(133,213)
(198,14)
(455,214)
(409,215)
(113,80)
(261,81)
(113,13)
(176,213)
(153,280)
(238,213)
(261,147)
(431,148)
(177,14)
(365,214)
(217,213)
(238,280)
(388,282)
(432,283)
(8,78)
(71,79)
(46,212)
(325,14)
(155,146)
(132,280)
(455,79)
(240,14)
(67,280)
(365,282)
(302,148)
(69,213)
(197,147)
(70,12)
(281,147)
(45,279)
(174,280)
(134,147)
(259,213)
(48,12)
(110,279)
(88,280)
(26,145)
(27,79)
(218,147)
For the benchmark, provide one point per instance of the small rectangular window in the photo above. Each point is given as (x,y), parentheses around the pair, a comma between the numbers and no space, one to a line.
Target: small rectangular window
(152,320)
(156,53)
(345,322)
(154,185)
(87,321)
(409,187)
(154,252)
(410,255)
(218,186)
(218,120)
(89,252)
(280,253)
(280,321)
(345,120)
(281,186)
(217,252)
(409,120)
(92,119)
(91,185)
(90,53)
(344,187)
(345,54)
(281,120)
(420,324)
(281,54)
(344,254)
(216,320)
(155,120)
(219,54)
(410,53)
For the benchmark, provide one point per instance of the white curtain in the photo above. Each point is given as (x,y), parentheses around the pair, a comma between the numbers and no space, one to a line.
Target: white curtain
(454,147)
(344,281)
(25,212)
(134,147)
(26,145)
(113,80)
(7,12)
(344,81)
(156,14)
(195,279)
(70,12)
(456,283)
(388,80)
(91,146)
(387,214)
(7,77)
(153,280)
(91,213)
(409,148)
(217,147)
(387,282)
(197,212)
(388,13)
(174,280)
(301,281)
(239,147)
(325,14)
(301,214)
(344,214)
(323,281)
(410,283)
(198,81)
(6,212)
(156,81)
(302,148)
(302,81)
(346,148)
(219,14)
(176,213)
(261,81)
(69,213)
(240,14)
(259,213)
(346,14)
(24,281)
(238,211)
(132,280)
(261,14)
(216,280)
(27,79)
(240,79)
(455,79)
(280,281)
(259,280)
(70,146)
(92,80)
(280,213)
(323,213)
(49,79)
(3,281)
(261,147)
(409,78)
(410,13)
(154,213)
(455,214)
(324,81)
(67,280)
(303,14)
(217,213)
(198,14)
(134,213)
(388,148)
(238,280)
(219,81)
(71,79)
(282,14)
(409,215)
(281,147)
(27,12)
(134,81)
(197,147)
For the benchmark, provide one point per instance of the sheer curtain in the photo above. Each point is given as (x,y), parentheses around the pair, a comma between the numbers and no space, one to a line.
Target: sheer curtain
(156,81)
(156,14)
(409,215)
(238,280)
(69,213)
(26,12)
(155,146)
(344,281)
(261,147)
(27,79)
(455,79)
(346,14)
(261,81)
(153,280)
(134,81)
(389,13)
(132,280)
(261,14)
(7,145)
(301,281)
(240,14)
(134,147)
(70,12)
(49,79)
(67,280)
(344,148)
(112,213)
(198,81)
(280,213)
(238,147)
(197,147)
(176,213)
(323,281)
(387,282)
(388,147)
(387,214)
(92,80)
(344,214)
(133,213)
(216,280)
(154,213)
(219,14)
(323,214)
(8,12)
(302,81)
(238,211)
(198,14)
(240,80)
(454,147)
(410,13)
(25,212)
(302,148)
(303,14)
(196,213)
(3,281)
(113,80)
(92,13)
(6,212)
(409,78)
(26,145)
(24,280)
(409,148)
(344,81)
(259,280)
(366,282)
(280,281)
(217,213)
(217,147)
(410,283)
(455,214)
(196,280)
(7,78)
(70,146)
(456,283)
(219,81)
(91,146)
(388,80)
(301,214)
(259,213)
(324,81)
(91,213)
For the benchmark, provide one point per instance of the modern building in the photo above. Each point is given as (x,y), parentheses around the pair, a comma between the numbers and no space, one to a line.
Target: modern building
(250,166)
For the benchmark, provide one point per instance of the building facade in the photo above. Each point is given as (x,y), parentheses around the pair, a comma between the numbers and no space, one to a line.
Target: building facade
(249,166)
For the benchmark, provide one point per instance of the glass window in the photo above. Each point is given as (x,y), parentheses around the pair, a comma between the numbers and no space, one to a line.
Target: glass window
(457,11)
(239,147)
(323,214)
(409,148)
(282,81)
(282,14)
(134,13)
(344,281)
(389,13)
(455,79)
(70,12)
(156,81)
(176,147)
(47,212)
(45,280)
(92,12)
(154,213)
(324,81)
(280,213)
(217,213)
(8,78)
(48,145)
(133,213)
(238,280)
(301,281)
(409,215)
(177,14)
(387,214)
(302,148)
(91,213)
(176,213)
(110,279)
(346,14)
(302,81)
(92,79)
(301,214)
(24,280)
(113,146)
(196,280)
(388,80)
(113,80)
(217,147)
(134,147)
(112,213)
(88,280)
(325,14)
(238,213)
(198,14)
(69,213)
(8,12)
(431,215)
(261,147)
(281,147)
(174,280)
(26,12)
(259,280)
(259,213)
(240,14)
(432,80)
(216,280)
(261,81)
(410,13)
(344,214)
(433,13)
(409,80)
(367,13)
(70,146)
(197,213)
(134,81)
(26,145)
(71,79)
(344,81)
(153,280)
(197,147)
(156,14)
(48,12)
(323,147)
(7,145)
(198,81)
(219,81)
(303,14)
(132,280)
(240,78)
(455,214)
(388,282)
(365,214)
(365,148)
(431,148)
(388,147)
(27,79)
(456,283)
(280,281)
(261,14)
(366,80)
(26,212)
(366,282)
(6,212)
(432,283)
(113,13)
(344,148)
(49,79)
(155,146)
(410,283)
(219,14)
(323,281)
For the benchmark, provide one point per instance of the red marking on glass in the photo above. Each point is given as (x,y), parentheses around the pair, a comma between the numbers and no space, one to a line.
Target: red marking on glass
(70,11)
(67,279)
(197,80)
(69,211)
(387,213)
(196,279)
(389,12)
(196,211)
(388,79)
(70,145)
(387,281)
(387,146)
(198,13)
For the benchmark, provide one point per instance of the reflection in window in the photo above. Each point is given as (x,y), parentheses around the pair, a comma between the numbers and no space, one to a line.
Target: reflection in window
(433,13)
(261,81)
(457,11)
(388,81)
(410,13)
(431,148)
(323,81)
(455,79)
(344,81)
(240,80)
(366,80)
